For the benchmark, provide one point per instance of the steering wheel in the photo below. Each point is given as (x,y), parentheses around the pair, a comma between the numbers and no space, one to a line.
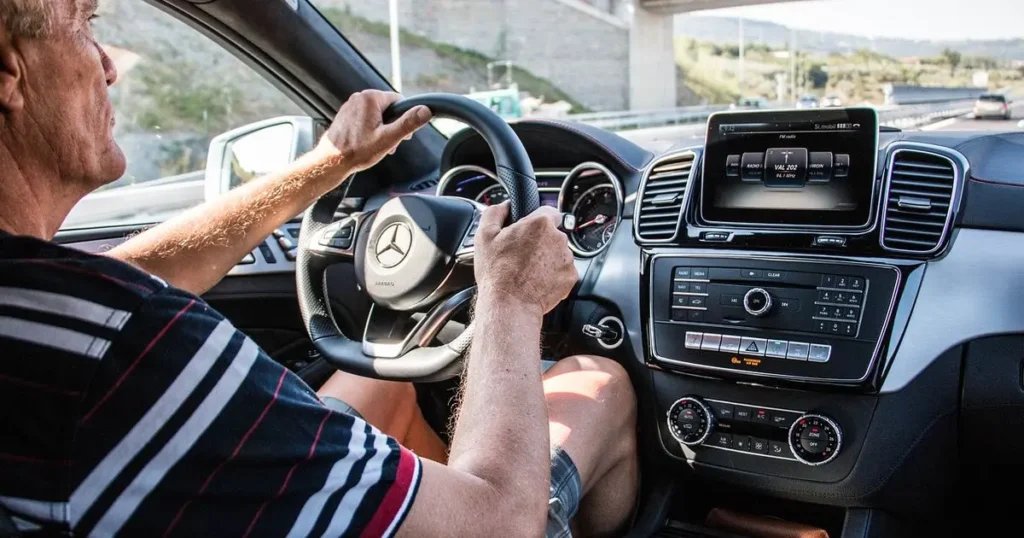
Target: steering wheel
(414,254)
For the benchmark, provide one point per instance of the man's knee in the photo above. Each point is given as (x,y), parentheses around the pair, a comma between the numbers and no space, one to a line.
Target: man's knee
(603,379)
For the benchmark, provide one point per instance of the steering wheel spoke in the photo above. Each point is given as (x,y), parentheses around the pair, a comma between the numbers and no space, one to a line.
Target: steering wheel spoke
(386,335)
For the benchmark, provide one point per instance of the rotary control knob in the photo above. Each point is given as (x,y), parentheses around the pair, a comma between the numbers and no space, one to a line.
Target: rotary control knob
(690,421)
(815,439)
(757,302)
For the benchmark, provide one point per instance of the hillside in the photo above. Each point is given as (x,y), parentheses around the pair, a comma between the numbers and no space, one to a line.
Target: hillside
(724,30)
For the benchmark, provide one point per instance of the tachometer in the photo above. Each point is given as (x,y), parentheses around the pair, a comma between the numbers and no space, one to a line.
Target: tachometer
(597,215)
(493,195)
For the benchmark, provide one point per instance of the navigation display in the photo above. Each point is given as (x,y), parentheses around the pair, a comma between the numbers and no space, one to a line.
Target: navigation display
(807,168)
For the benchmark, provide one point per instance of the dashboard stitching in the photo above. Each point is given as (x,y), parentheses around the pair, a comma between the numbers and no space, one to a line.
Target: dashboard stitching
(996,183)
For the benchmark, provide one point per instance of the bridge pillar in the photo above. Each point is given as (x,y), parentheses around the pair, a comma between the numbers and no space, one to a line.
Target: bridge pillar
(652,61)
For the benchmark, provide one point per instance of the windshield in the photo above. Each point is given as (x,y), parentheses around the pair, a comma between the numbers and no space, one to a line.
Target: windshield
(635,66)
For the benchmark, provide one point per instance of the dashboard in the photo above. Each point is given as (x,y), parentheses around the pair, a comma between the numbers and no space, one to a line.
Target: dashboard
(589,191)
(803,297)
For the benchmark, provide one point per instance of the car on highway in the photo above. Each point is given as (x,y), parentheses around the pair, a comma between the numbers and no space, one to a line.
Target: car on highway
(992,105)
(819,307)
(831,101)
(807,101)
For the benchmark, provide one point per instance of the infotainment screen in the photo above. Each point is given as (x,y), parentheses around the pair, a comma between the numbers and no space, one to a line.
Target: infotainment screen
(805,168)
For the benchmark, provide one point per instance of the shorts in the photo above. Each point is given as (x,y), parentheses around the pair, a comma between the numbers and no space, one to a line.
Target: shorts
(566,486)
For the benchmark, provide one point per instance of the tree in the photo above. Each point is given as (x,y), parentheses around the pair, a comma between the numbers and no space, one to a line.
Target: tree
(953,58)
(818,76)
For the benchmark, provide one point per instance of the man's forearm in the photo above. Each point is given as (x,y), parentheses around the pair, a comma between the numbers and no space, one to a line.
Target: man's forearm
(502,430)
(194,250)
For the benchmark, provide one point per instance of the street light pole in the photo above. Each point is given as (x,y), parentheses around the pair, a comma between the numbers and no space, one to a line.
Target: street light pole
(742,64)
(792,64)
(396,55)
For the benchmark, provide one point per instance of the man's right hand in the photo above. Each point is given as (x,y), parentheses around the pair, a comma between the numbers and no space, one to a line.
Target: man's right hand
(528,262)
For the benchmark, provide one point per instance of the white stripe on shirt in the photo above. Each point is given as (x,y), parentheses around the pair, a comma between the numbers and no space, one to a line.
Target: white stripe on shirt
(147,427)
(48,511)
(64,305)
(370,476)
(55,337)
(340,471)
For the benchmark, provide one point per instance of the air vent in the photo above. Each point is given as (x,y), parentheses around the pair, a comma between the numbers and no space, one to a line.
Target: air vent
(919,200)
(423,185)
(660,203)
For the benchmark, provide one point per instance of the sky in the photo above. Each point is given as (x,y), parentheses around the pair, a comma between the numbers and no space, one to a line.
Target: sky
(912,19)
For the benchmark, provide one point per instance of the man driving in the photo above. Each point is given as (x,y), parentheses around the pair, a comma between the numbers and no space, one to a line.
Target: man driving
(130,407)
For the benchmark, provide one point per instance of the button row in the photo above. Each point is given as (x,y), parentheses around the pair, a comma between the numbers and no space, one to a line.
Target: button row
(843,282)
(842,328)
(833,297)
(781,349)
(694,273)
(742,413)
(746,443)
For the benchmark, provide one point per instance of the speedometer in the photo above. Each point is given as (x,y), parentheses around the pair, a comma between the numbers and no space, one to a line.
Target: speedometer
(597,215)
(493,195)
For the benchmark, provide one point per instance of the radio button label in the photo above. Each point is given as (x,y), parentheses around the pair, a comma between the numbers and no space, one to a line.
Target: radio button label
(752,166)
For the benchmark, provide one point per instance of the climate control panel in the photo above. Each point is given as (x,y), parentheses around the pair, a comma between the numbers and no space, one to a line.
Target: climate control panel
(808,438)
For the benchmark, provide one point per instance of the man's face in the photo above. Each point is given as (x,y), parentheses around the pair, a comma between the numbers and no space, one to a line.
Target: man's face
(67,75)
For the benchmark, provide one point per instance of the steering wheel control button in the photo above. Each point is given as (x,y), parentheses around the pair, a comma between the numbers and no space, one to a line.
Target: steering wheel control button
(711,342)
(693,340)
(815,439)
(757,302)
(267,253)
(753,346)
(777,349)
(819,353)
(690,421)
(730,344)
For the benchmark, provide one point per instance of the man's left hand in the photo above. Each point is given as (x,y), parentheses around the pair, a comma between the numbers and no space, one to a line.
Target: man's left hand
(359,139)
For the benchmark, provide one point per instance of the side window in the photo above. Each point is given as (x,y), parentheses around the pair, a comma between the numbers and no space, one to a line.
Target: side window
(177,90)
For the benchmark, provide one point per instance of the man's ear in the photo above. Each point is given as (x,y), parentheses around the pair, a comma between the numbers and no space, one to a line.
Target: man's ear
(11,74)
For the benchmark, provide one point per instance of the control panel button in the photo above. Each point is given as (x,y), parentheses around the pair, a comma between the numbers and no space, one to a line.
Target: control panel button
(854,298)
(741,442)
(779,449)
(753,346)
(777,348)
(841,166)
(752,273)
(682,272)
(837,312)
(699,272)
(851,313)
(777,276)
(720,439)
(690,421)
(291,255)
(698,302)
(827,281)
(762,416)
(249,259)
(758,445)
(732,166)
(821,326)
(679,315)
(819,353)
(743,413)
(711,342)
(681,300)
(268,253)
(848,329)
(826,296)
(731,300)
(752,166)
(694,315)
(730,344)
(842,282)
(823,311)
(784,419)
(693,340)
(294,232)
(856,283)
(798,351)
(815,439)
(698,287)
(840,297)
(723,411)
(716,237)
(829,241)
(785,167)
(681,287)
(757,302)
(789,305)
(819,166)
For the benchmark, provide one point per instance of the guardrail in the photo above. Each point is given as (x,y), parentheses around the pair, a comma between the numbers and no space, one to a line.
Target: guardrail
(910,116)
(638,119)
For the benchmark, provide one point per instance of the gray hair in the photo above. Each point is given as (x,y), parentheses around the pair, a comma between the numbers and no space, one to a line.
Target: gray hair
(31,18)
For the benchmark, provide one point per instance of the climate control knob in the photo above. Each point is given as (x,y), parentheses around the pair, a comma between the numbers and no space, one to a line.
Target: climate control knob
(815,439)
(757,302)
(690,420)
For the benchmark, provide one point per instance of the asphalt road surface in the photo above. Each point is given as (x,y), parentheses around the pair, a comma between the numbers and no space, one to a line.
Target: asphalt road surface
(968,123)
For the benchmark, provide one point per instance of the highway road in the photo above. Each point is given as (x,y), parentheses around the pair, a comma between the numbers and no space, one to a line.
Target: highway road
(968,123)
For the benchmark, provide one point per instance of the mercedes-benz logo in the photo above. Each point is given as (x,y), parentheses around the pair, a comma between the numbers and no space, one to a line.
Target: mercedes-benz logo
(393,245)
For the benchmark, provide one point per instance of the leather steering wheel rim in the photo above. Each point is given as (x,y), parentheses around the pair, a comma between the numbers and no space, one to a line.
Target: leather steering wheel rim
(515,173)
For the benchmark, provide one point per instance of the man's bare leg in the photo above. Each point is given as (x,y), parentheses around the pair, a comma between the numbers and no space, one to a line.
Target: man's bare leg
(592,414)
(392,408)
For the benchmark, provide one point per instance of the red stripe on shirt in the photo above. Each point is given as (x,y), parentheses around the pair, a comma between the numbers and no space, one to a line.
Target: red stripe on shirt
(238,448)
(29,459)
(38,386)
(395,497)
(135,363)
(288,477)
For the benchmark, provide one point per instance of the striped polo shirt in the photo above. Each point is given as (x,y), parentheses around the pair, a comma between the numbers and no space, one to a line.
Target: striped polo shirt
(130,407)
